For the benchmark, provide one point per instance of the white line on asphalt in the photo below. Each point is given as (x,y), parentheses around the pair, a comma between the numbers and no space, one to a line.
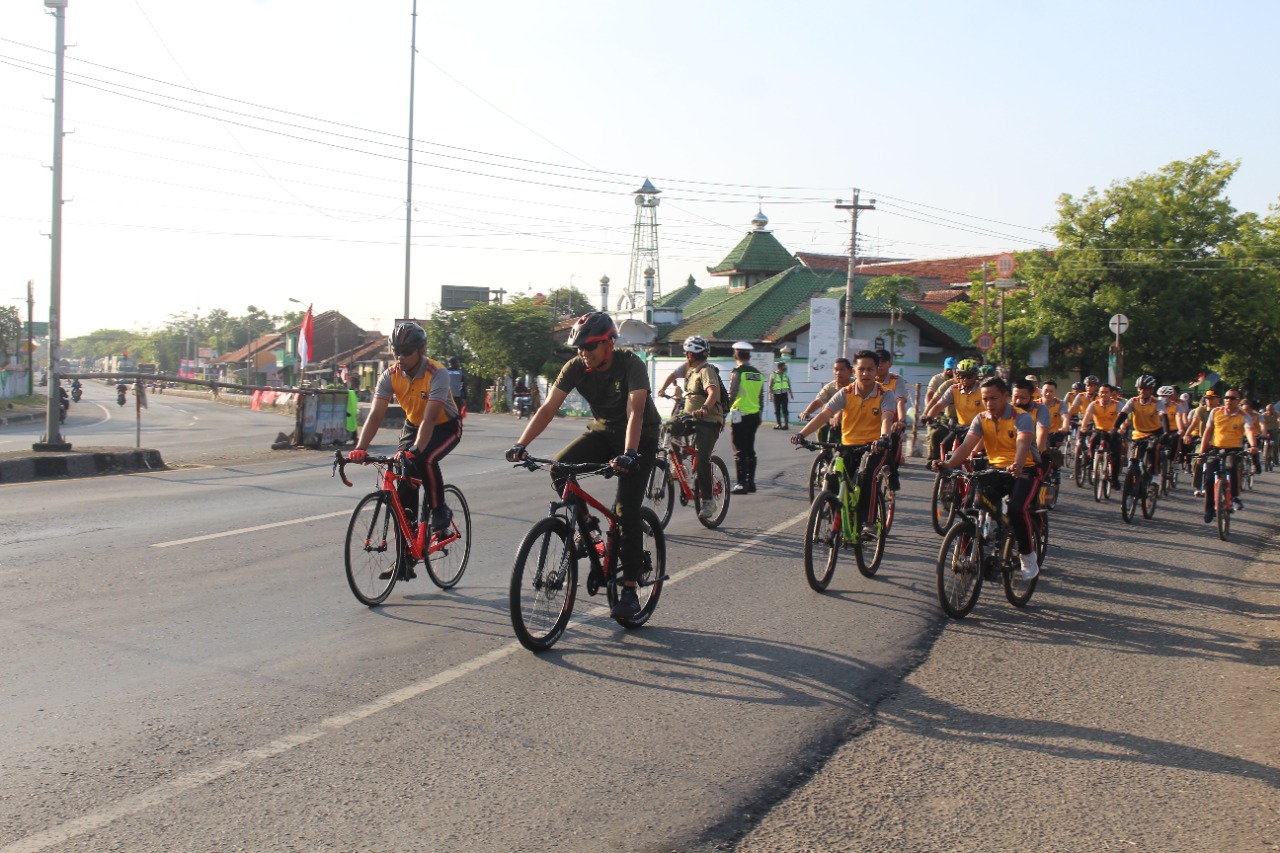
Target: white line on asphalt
(208,536)
(198,778)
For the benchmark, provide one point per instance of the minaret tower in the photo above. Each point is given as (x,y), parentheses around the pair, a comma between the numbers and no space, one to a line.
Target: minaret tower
(644,251)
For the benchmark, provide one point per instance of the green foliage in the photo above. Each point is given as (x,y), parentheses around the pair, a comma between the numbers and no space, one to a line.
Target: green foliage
(10,331)
(509,339)
(568,303)
(445,336)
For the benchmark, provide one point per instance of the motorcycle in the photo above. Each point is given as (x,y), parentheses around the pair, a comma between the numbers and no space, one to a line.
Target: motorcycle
(76,394)
(121,395)
(63,405)
(524,405)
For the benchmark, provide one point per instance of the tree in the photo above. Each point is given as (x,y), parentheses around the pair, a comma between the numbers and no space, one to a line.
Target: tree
(568,303)
(510,339)
(445,337)
(1152,249)
(895,290)
(10,332)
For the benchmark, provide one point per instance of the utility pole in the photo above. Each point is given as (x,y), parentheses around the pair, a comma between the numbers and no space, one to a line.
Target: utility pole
(984,297)
(53,434)
(31,302)
(408,197)
(853,257)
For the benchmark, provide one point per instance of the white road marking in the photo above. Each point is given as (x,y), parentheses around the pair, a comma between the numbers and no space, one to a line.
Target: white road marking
(241,530)
(193,779)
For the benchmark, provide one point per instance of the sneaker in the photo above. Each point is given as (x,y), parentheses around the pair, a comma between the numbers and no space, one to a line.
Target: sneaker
(1030,570)
(628,605)
(704,508)
(1199,493)
(1237,505)
(740,489)
(1208,517)
(440,518)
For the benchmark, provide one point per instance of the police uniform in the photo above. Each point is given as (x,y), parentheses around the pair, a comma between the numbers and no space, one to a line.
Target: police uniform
(698,381)
(746,386)
(428,382)
(862,422)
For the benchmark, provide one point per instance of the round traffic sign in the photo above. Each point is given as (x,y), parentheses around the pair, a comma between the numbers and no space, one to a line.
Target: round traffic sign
(1004,265)
(1118,323)
(985,342)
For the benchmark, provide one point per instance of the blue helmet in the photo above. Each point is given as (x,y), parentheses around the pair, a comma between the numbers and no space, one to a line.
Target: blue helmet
(950,363)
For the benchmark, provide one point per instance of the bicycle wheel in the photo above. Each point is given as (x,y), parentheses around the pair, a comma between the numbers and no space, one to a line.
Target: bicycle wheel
(1222,501)
(1016,589)
(1040,522)
(653,571)
(942,508)
(959,570)
(1099,477)
(869,547)
(660,494)
(446,564)
(890,500)
(373,548)
(1081,469)
(1246,476)
(1150,494)
(818,472)
(544,583)
(822,540)
(719,502)
(1129,495)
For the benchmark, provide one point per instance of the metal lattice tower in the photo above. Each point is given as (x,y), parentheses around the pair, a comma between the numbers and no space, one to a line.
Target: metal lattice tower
(644,249)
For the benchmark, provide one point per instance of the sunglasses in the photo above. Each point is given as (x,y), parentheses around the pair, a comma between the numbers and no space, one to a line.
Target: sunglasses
(406,350)
(1229,397)
(591,347)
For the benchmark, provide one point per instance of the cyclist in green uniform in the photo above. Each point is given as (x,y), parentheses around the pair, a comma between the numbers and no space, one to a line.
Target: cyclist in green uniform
(702,400)
(615,385)
(746,389)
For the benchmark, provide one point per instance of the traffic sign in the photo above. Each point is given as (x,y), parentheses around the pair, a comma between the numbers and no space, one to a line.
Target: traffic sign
(1004,265)
(985,342)
(1118,323)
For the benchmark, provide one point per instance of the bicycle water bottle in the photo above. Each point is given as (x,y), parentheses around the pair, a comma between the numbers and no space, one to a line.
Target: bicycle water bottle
(597,539)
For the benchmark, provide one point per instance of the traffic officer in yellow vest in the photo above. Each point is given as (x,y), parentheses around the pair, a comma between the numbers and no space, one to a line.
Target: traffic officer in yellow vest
(746,389)
(780,388)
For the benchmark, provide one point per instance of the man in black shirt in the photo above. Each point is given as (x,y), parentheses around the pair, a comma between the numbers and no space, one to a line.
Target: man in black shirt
(615,385)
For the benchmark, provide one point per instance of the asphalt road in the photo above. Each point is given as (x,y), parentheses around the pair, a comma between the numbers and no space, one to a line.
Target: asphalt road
(185,668)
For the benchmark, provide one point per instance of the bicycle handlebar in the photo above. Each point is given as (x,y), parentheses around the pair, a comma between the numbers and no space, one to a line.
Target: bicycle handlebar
(534,463)
(806,444)
(341,462)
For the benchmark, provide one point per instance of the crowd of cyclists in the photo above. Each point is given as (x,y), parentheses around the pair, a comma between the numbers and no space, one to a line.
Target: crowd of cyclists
(1024,429)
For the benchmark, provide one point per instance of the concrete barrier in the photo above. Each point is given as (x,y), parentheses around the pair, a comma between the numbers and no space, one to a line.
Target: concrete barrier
(85,463)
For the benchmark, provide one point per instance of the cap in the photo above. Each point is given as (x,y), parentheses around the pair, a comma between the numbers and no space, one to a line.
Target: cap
(1211,393)
(743,345)
(949,363)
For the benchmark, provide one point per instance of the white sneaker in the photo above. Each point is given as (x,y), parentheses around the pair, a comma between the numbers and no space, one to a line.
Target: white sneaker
(1030,570)
(1199,493)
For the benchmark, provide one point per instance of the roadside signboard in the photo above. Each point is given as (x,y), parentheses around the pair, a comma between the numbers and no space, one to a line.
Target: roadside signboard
(985,342)
(1118,323)
(1004,265)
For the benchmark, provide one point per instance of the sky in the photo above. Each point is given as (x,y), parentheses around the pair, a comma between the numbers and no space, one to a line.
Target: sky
(249,152)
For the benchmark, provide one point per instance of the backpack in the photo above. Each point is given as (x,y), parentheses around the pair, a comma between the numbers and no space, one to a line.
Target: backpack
(722,396)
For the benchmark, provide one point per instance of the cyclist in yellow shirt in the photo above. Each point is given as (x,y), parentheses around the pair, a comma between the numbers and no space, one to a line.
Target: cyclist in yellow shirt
(1099,422)
(963,400)
(866,412)
(1225,429)
(1009,438)
(1144,416)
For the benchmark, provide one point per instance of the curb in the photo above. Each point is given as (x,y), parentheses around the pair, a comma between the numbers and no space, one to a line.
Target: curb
(47,466)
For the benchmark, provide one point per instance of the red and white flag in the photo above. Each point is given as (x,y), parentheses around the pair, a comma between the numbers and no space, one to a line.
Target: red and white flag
(306,339)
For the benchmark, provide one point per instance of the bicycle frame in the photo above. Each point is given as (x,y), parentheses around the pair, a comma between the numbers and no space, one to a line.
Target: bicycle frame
(391,473)
(850,492)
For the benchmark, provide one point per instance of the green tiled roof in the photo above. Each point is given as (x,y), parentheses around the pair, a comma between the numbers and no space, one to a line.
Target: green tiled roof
(678,298)
(957,332)
(750,314)
(758,251)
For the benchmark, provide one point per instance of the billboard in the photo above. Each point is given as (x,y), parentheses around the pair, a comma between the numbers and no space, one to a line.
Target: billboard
(456,298)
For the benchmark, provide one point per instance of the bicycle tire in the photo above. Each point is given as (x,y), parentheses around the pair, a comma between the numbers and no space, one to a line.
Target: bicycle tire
(942,508)
(653,572)
(1081,470)
(720,490)
(1246,479)
(1040,521)
(890,501)
(544,584)
(1098,478)
(660,494)
(1129,495)
(818,472)
(1017,590)
(822,540)
(869,564)
(1149,496)
(446,565)
(373,548)
(959,570)
(1222,502)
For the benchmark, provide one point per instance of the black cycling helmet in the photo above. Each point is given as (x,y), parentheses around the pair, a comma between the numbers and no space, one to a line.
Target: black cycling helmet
(1146,381)
(589,328)
(1077,386)
(409,334)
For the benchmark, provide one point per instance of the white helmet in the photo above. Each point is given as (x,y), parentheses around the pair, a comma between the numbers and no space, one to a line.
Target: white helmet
(1165,391)
(695,344)
(743,345)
